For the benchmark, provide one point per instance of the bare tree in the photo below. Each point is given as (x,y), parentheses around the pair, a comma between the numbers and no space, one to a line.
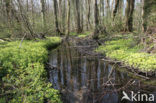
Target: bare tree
(56,17)
(32,13)
(43,11)
(27,5)
(108,8)
(129,15)
(68,19)
(79,29)
(25,20)
(88,15)
(64,16)
(8,12)
(116,8)
(96,11)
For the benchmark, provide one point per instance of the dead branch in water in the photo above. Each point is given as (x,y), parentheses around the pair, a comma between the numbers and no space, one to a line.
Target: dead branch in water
(129,83)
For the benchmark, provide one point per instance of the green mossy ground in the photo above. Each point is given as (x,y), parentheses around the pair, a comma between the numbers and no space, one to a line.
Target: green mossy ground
(81,35)
(128,51)
(22,72)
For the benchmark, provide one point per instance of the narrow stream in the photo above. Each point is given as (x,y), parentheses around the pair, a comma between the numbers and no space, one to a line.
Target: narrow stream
(88,79)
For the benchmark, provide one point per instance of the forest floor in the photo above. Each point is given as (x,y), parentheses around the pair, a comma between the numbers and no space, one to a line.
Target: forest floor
(125,50)
(22,63)
(22,71)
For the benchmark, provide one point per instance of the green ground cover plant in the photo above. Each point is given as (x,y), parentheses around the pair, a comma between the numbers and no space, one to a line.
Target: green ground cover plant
(82,35)
(128,52)
(22,72)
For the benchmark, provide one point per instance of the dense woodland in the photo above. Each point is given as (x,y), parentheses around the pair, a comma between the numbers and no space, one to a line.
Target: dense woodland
(122,31)
(32,18)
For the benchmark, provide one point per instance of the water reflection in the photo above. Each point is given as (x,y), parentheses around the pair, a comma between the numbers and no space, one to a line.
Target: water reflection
(84,79)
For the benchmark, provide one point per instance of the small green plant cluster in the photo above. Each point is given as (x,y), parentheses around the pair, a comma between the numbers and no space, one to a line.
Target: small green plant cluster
(73,34)
(127,51)
(83,35)
(80,35)
(22,72)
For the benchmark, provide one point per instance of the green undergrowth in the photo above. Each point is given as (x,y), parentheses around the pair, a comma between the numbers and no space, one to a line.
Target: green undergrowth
(22,72)
(129,52)
(81,35)
(72,33)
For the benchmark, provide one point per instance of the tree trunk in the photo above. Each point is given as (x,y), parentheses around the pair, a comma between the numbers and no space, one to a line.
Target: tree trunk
(43,11)
(108,9)
(96,11)
(60,15)
(32,13)
(103,11)
(27,5)
(25,20)
(82,11)
(120,6)
(68,19)
(56,18)
(88,15)
(129,15)
(116,8)
(78,16)
(63,17)
(8,12)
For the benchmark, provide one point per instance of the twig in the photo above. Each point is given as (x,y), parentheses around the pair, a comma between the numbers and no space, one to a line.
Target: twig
(22,40)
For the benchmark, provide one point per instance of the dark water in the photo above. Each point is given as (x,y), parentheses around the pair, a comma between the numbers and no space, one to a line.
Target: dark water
(88,79)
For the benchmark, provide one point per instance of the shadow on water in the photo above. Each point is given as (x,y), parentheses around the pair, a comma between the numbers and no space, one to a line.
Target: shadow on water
(88,79)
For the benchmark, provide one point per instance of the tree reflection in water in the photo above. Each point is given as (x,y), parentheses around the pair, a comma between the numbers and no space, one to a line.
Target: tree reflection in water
(88,79)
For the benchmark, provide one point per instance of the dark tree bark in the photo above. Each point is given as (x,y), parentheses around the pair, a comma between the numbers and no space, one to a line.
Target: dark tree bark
(96,11)
(103,11)
(8,12)
(116,8)
(8,7)
(129,15)
(56,17)
(79,30)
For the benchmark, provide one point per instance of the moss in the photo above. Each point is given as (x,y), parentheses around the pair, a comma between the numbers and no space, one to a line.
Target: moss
(124,50)
(23,74)
(73,34)
(82,35)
